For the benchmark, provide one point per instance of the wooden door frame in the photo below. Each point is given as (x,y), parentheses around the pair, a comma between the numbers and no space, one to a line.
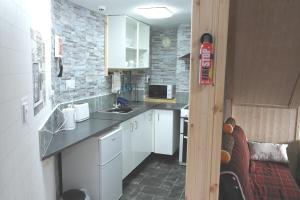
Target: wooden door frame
(206,102)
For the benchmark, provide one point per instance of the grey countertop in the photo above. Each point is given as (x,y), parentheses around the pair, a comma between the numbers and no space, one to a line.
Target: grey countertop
(98,124)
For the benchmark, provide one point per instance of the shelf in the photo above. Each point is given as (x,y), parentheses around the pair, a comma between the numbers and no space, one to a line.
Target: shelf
(135,49)
(127,68)
(186,56)
(131,48)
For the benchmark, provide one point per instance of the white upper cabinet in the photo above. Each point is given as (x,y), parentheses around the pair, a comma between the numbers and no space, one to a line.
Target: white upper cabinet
(128,43)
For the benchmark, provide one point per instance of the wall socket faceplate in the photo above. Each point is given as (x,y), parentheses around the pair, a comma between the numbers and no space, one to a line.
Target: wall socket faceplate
(70,84)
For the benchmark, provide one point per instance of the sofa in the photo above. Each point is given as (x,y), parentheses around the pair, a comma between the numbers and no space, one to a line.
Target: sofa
(246,179)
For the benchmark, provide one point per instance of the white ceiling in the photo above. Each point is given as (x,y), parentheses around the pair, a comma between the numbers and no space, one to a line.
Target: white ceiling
(182,9)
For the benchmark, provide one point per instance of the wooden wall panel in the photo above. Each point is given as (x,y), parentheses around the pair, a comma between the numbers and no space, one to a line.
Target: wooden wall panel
(298,125)
(295,98)
(263,51)
(227,108)
(266,124)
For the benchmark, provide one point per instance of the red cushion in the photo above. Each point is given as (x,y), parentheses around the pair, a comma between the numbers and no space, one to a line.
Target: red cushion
(273,181)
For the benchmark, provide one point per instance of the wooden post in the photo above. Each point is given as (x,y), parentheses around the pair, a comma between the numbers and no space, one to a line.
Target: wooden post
(206,103)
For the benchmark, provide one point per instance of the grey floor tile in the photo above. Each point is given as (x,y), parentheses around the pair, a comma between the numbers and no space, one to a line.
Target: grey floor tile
(143,196)
(157,191)
(149,181)
(157,178)
(176,192)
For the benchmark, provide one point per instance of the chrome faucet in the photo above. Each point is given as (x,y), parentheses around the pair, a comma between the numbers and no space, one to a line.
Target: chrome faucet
(117,95)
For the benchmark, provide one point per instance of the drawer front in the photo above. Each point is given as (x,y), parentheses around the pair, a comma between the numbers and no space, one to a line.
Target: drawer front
(110,145)
(111,180)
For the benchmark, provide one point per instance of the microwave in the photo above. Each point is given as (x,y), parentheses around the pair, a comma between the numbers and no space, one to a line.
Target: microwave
(162,91)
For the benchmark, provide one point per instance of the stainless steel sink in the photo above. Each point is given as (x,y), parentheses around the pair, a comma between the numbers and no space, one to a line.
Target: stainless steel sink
(124,110)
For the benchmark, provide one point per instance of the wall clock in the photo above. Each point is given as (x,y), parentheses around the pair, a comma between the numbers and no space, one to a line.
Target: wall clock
(166,42)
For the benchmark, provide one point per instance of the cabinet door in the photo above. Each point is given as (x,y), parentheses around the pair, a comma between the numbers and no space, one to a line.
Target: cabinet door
(127,151)
(148,132)
(116,42)
(128,43)
(138,139)
(163,132)
(143,50)
(131,43)
(111,180)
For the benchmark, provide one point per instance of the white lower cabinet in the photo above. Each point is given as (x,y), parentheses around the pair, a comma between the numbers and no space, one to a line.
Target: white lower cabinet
(152,131)
(137,141)
(166,131)
(100,163)
(127,148)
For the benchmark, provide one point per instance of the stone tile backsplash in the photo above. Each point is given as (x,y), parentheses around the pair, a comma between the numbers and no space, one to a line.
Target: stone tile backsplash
(82,31)
(167,66)
(163,58)
(182,65)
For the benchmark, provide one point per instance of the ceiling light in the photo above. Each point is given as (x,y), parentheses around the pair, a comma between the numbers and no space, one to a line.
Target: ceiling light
(155,12)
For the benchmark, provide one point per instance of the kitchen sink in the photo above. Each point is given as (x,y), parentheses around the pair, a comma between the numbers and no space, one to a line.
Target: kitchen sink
(123,110)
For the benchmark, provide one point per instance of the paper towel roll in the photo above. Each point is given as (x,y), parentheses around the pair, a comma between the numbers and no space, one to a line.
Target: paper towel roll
(69,115)
(116,82)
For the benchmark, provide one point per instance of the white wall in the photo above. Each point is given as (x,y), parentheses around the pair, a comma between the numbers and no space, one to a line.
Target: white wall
(22,175)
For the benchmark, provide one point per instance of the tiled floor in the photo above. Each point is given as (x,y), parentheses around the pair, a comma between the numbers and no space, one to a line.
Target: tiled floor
(158,178)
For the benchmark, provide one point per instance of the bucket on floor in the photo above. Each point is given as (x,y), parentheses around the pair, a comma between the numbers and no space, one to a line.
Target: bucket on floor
(75,194)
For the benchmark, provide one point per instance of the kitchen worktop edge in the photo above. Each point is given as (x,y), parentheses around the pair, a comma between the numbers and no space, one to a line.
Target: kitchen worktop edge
(97,124)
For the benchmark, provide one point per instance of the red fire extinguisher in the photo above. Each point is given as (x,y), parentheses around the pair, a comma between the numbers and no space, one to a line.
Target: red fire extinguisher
(206,60)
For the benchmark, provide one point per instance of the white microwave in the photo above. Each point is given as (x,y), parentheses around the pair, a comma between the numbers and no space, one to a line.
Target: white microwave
(162,91)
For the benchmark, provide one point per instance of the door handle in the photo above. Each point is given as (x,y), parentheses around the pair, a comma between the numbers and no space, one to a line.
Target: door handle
(158,116)
(186,121)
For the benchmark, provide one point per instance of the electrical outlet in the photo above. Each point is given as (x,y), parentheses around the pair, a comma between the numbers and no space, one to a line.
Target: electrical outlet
(70,84)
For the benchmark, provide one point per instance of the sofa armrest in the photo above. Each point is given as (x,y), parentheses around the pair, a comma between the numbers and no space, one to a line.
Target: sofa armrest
(293,152)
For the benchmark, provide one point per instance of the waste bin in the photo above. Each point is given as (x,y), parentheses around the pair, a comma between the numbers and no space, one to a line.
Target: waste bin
(75,194)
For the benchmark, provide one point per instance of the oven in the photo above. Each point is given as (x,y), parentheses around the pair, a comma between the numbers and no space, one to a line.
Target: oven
(183,138)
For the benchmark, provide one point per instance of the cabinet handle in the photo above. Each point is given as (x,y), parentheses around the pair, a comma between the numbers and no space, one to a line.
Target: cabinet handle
(158,116)
(136,125)
(131,127)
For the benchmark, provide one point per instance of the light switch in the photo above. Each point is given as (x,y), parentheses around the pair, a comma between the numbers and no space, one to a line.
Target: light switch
(24,107)
(147,78)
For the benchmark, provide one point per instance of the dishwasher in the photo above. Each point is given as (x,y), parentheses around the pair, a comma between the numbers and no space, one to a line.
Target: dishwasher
(95,165)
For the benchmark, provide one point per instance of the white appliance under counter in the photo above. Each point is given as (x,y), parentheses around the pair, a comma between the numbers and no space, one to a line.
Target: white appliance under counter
(95,165)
